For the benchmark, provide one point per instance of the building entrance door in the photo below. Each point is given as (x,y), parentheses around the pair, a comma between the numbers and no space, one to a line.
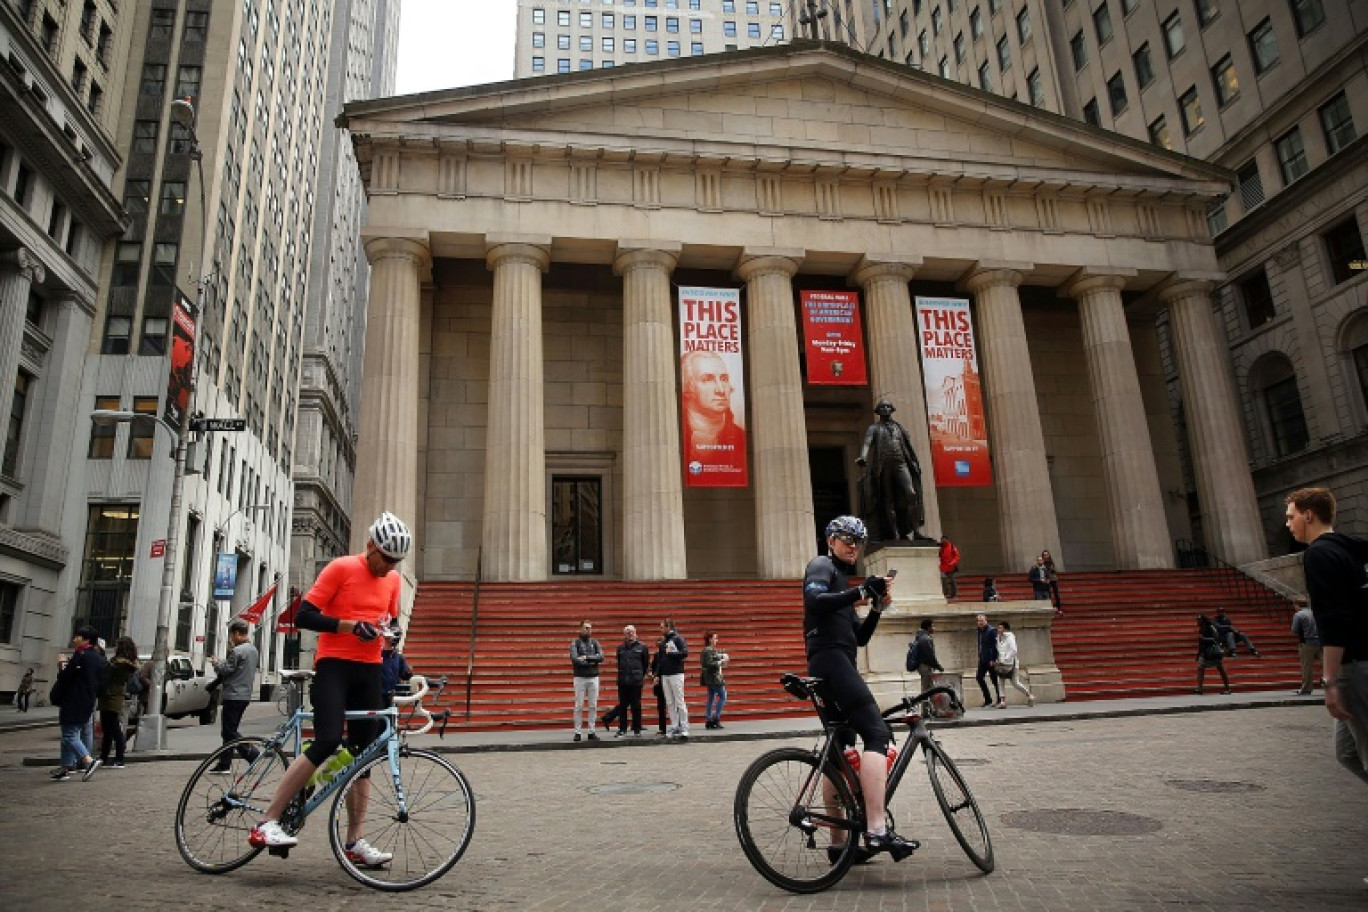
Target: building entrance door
(830,488)
(576,525)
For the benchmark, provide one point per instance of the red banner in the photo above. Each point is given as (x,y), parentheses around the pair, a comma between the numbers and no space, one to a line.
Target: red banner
(257,609)
(181,381)
(954,397)
(712,388)
(832,338)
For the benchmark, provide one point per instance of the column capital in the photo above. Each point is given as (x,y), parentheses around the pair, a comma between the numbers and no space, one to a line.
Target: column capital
(633,255)
(26,264)
(994,274)
(503,251)
(412,249)
(1182,285)
(758,261)
(1090,279)
(875,266)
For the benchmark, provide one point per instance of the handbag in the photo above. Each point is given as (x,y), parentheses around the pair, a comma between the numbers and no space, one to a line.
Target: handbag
(1005,671)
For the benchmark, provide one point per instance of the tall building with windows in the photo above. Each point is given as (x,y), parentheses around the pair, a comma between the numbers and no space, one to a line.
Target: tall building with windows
(563,36)
(61,62)
(339,276)
(1275,91)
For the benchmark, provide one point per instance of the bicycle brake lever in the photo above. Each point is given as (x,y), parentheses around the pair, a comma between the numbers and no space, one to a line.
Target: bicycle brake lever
(446,717)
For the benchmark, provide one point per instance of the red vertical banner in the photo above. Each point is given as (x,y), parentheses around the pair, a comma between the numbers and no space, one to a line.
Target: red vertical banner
(712,388)
(954,396)
(832,339)
(181,381)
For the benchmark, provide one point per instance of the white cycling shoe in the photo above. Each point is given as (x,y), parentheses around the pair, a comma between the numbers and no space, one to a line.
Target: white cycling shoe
(364,854)
(270,834)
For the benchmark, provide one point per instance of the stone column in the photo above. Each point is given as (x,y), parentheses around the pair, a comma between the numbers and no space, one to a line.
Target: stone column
(653,489)
(1026,510)
(387,431)
(1230,511)
(20,270)
(1134,498)
(47,484)
(894,364)
(784,522)
(515,546)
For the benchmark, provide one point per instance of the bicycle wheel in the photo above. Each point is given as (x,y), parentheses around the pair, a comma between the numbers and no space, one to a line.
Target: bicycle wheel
(283,702)
(217,811)
(425,833)
(960,810)
(798,829)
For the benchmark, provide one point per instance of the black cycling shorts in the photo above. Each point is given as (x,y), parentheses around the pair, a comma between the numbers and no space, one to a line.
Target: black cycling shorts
(340,685)
(852,696)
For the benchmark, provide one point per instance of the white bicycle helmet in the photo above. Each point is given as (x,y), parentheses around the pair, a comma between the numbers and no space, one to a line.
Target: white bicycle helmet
(391,536)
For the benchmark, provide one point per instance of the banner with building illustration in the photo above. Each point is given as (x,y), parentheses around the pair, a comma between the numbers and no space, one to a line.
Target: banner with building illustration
(181,381)
(954,398)
(832,340)
(712,388)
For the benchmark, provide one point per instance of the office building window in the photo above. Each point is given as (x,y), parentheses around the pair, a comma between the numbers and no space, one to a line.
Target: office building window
(936,21)
(1144,66)
(1023,22)
(1116,93)
(1159,133)
(1102,24)
(1291,155)
(1257,295)
(563,18)
(608,44)
(1004,53)
(1078,47)
(539,39)
(729,29)
(985,77)
(144,137)
(1191,107)
(672,24)
(14,432)
(695,26)
(1035,92)
(1337,123)
(1344,245)
(944,67)
(696,48)
(1174,42)
(959,47)
(586,20)
(672,48)
(539,64)
(1263,46)
(752,30)
(1282,405)
(538,16)
(1223,78)
(141,433)
(975,24)
(586,43)
(1207,10)
(101,444)
(562,64)
(1308,15)
(1250,185)
(562,42)
(1091,113)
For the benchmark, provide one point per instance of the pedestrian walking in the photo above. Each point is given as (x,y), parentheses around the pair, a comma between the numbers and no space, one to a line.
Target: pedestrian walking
(111,700)
(1308,644)
(1210,653)
(25,691)
(990,590)
(75,691)
(1337,583)
(713,659)
(236,674)
(987,655)
(586,655)
(927,663)
(1008,666)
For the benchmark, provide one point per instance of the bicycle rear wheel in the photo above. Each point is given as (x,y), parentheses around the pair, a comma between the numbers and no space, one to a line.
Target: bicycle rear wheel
(425,833)
(799,828)
(217,811)
(960,810)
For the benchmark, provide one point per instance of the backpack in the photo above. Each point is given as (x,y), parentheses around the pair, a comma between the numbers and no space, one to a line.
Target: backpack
(134,685)
(102,677)
(913,656)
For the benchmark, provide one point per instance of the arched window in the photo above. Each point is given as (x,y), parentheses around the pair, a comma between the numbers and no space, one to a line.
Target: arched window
(1273,383)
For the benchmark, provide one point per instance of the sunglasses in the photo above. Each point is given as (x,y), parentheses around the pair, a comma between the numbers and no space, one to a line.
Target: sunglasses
(849,539)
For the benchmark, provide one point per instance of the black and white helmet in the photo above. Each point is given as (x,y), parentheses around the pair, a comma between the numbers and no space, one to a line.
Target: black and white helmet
(391,536)
(849,529)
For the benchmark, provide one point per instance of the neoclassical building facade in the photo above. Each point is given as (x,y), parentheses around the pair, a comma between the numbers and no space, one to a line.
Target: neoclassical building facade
(527,239)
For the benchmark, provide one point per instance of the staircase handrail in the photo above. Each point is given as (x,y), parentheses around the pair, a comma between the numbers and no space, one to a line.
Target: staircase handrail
(474,628)
(1246,591)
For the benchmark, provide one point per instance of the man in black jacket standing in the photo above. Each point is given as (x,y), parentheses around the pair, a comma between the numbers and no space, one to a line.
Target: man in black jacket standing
(77,686)
(1336,567)
(633,661)
(670,669)
(586,655)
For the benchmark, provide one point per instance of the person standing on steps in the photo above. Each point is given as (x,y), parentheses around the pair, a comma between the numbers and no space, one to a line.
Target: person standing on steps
(1039,575)
(1308,644)
(1336,567)
(713,659)
(670,670)
(586,655)
(1052,575)
(949,566)
(833,632)
(1210,653)
(633,663)
(987,657)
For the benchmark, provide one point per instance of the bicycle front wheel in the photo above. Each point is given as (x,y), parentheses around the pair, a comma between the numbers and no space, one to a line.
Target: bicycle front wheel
(960,810)
(218,810)
(798,826)
(423,820)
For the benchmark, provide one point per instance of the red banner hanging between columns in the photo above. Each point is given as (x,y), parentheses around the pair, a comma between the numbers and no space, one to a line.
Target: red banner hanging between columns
(832,339)
(954,397)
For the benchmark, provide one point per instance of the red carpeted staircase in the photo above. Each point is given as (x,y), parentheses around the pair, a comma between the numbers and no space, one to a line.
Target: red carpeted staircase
(1122,635)
(1134,634)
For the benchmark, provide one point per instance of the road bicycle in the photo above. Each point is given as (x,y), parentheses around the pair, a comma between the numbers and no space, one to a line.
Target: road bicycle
(421,808)
(799,813)
(294,692)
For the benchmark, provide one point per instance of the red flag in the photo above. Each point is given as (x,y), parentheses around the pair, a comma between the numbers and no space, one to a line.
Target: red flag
(286,623)
(254,612)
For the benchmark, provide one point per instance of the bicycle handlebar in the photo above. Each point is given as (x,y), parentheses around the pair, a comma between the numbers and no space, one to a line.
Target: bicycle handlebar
(420,688)
(907,703)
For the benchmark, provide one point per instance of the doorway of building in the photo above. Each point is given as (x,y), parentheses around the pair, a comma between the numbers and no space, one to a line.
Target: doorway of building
(576,525)
(830,488)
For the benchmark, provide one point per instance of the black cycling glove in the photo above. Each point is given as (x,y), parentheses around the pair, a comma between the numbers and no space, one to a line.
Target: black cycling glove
(365,632)
(874,589)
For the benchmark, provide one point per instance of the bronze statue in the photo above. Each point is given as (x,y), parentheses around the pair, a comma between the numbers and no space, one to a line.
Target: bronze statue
(890,489)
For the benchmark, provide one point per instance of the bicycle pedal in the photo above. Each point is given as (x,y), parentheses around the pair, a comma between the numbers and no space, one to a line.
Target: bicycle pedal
(279,851)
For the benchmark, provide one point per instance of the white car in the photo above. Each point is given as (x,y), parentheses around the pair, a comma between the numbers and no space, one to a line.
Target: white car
(187,692)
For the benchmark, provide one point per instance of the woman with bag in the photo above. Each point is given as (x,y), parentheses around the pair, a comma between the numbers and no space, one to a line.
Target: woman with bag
(1209,653)
(1007,667)
(713,660)
(112,698)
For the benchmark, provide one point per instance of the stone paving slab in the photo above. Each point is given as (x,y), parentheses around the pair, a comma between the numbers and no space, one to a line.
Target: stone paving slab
(1241,810)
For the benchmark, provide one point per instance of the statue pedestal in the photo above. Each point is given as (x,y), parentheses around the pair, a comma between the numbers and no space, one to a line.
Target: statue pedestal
(916,596)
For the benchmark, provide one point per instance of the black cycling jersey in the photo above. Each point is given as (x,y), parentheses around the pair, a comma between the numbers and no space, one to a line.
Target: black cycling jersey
(829,618)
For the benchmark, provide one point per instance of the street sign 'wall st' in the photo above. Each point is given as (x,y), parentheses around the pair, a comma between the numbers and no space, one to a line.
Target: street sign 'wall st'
(218,424)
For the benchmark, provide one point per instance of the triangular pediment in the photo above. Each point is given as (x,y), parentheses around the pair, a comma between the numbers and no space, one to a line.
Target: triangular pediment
(813,104)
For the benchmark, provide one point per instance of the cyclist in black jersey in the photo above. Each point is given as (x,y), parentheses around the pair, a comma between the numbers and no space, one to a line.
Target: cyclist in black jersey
(833,632)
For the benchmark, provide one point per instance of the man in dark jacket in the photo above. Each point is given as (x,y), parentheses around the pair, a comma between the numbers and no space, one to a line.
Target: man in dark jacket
(1336,568)
(586,655)
(633,661)
(670,669)
(987,657)
(77,687)
(927,663)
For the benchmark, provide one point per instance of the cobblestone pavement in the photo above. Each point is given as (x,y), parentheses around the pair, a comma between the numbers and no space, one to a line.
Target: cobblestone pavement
(1240,810)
